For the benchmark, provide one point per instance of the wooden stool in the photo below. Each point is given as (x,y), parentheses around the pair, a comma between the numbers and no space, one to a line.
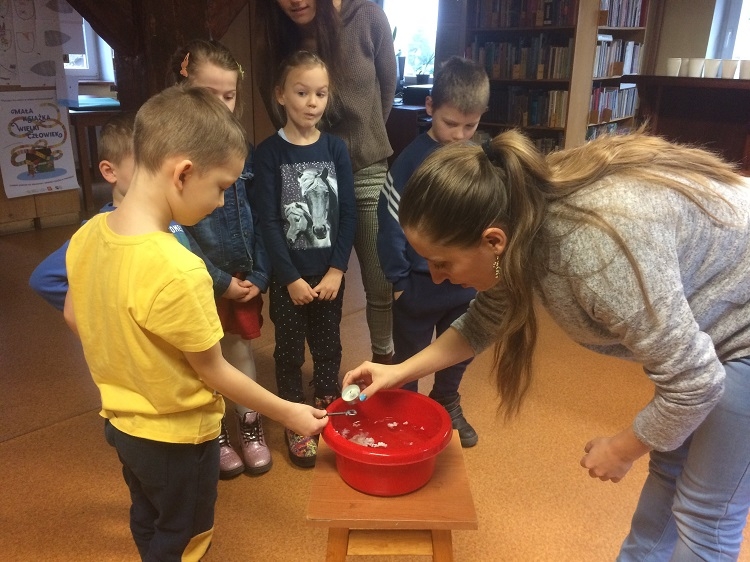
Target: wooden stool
(418,523)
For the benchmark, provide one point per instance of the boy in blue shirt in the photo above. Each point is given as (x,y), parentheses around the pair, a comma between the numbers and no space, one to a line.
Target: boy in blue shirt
(115,147)
(421,308)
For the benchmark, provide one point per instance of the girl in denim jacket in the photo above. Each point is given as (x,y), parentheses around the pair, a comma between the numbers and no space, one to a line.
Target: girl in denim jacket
(229,242)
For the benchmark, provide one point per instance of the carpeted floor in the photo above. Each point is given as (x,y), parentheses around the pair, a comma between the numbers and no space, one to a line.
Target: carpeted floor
(63,498)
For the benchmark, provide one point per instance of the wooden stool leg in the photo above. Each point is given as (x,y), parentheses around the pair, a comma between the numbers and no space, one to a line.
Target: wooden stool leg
(338,544)
(442,546)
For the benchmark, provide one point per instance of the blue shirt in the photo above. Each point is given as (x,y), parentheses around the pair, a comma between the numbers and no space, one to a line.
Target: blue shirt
(397,258)
(50,278)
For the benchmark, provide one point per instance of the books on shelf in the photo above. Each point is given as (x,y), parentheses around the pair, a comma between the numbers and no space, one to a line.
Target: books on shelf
(615,57)
(522,107)
(545,143)
(524,58)
(496,14)
(607,129)
(608,103)
(624,13)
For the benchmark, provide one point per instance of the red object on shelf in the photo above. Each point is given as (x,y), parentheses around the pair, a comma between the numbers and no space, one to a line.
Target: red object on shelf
(408,431)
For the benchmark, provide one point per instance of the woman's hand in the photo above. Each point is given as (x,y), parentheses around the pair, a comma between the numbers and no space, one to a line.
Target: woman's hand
(301,292)
(610,458)
(371,377)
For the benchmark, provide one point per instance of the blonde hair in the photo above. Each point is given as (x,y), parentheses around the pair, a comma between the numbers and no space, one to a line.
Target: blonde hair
(189,122)
(298,59)
(198,53)
(462,189)
(115,142)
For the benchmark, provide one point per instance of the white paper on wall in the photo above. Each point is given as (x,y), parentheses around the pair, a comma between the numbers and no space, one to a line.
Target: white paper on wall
(36,154)
(8,58)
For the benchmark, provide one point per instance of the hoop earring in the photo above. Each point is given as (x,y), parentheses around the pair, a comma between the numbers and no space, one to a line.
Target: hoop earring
(497,267)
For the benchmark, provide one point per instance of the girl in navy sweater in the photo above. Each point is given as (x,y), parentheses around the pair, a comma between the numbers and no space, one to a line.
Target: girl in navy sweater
(305,198)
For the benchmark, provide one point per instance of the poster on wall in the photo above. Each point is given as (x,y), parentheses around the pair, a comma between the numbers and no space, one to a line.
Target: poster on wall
(8,59)
(34,35)
(36,155)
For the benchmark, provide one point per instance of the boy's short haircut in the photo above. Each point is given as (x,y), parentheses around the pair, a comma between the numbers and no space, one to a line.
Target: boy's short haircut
(462,83)
(187,122)
(116,138)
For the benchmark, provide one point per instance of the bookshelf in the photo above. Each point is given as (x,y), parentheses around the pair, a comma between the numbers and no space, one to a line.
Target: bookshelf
(539,59)
(620,51)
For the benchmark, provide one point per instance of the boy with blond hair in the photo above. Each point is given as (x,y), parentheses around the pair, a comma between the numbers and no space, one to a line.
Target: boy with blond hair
(159,369)
(458,99)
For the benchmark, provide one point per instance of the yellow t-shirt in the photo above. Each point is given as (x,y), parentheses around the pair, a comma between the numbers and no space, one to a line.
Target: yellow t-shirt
(139,303)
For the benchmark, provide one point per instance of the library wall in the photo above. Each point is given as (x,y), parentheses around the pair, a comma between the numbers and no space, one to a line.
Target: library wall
(685,30)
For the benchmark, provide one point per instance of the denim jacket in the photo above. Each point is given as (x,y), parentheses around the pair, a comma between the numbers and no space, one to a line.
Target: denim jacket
(228,240)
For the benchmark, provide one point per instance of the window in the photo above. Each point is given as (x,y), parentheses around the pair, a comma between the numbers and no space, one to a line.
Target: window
(730,30)
(415,26)
(95,63)
(742,43)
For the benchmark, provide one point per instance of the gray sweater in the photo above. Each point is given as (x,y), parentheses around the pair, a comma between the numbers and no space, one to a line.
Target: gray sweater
(697,277)
(367,83)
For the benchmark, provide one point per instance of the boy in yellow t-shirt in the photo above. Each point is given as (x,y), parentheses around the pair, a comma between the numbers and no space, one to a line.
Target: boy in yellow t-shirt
(143,307)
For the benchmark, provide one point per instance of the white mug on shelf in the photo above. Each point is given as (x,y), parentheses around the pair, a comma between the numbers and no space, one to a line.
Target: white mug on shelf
(673,66)
(695,68)
(684,67)
(745,70)
(711,68)
(729,68)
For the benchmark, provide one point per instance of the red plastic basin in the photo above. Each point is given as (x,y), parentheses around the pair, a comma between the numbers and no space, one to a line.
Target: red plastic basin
(406,431)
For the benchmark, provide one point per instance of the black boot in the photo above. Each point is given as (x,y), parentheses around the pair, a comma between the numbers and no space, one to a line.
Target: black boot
(466,433)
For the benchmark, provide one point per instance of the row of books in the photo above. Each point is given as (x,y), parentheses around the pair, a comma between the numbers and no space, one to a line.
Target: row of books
(612,102)
(528,58)
(625,13)
(607,129)
(528,108)
(545,143)
(496,14)
(615,57)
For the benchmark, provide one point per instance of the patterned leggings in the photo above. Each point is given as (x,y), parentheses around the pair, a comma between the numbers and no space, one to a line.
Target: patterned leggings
(378,293)
(319,323)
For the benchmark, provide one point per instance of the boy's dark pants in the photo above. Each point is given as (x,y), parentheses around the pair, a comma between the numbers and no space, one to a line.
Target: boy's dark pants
(425,308)
(320,323)
(173,489)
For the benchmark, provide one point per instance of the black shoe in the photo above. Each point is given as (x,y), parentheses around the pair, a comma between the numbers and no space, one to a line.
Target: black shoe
(466,433)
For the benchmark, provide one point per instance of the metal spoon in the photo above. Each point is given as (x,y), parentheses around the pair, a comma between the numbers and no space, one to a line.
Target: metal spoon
(351,412)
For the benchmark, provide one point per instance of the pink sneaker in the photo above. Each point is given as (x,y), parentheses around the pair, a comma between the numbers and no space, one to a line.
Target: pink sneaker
(255,452)
(230,463)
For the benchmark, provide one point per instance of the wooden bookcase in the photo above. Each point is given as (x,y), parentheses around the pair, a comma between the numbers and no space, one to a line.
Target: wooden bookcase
(539,61)
(515,41)
(620,50)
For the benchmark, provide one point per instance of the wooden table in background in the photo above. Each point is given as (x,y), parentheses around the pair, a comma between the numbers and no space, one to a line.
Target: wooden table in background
(419,523)
(84,122)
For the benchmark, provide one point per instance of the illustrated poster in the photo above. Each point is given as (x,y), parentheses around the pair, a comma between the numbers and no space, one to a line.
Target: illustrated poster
(36,155)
